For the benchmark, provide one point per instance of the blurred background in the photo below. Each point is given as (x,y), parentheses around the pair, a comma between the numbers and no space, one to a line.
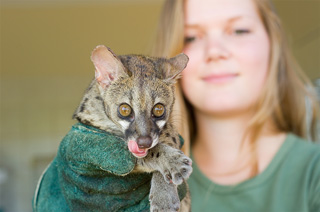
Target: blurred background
(45,48)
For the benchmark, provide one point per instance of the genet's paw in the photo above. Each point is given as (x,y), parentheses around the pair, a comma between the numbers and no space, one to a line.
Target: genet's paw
(177,167)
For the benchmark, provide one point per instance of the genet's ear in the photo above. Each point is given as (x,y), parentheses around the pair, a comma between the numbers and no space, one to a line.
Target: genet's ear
(177,64)
(108,66)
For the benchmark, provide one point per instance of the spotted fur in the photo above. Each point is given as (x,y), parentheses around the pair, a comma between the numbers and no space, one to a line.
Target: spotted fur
(140,82)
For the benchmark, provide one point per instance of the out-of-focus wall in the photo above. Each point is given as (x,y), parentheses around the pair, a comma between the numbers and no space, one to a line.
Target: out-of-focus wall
(301,19)
(45,67)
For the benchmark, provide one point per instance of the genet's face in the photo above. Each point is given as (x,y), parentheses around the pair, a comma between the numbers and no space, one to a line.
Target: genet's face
(228,48)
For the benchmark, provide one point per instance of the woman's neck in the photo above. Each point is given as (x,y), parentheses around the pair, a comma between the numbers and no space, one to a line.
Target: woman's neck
(222,152)
(218,136)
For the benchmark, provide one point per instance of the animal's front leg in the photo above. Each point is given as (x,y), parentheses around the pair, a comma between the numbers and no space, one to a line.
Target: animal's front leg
(163,196)
(170,162)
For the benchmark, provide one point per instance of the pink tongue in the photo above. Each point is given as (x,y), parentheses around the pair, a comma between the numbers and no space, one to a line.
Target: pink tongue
(133,147)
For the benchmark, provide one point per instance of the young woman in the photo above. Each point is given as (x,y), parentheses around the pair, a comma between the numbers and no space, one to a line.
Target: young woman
(245,98)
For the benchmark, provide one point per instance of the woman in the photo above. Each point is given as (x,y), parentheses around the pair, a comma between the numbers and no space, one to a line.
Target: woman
(245,97)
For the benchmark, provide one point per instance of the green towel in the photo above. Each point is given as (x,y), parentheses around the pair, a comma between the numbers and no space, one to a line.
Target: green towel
(91,172)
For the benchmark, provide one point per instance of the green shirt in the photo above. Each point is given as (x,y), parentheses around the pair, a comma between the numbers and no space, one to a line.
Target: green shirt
(290,183)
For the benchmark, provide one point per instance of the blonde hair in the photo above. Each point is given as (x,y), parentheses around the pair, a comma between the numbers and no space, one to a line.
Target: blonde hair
(287,87)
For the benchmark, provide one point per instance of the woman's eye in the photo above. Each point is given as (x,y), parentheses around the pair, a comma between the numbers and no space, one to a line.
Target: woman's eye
(189,39)
(241,31)
(158,110)
(125,110)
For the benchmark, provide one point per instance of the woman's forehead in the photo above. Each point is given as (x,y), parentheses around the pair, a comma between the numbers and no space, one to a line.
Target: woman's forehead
(200,11)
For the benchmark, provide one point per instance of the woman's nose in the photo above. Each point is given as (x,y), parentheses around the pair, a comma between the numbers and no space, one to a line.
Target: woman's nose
(216,49)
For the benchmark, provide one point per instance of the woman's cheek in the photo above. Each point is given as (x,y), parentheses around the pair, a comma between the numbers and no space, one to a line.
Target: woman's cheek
(194,55)
(188,80)
(254,53)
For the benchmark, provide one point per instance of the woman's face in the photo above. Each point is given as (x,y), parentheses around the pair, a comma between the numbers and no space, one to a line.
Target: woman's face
(228,48)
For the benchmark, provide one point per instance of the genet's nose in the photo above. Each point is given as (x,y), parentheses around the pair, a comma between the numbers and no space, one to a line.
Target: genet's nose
(144,142)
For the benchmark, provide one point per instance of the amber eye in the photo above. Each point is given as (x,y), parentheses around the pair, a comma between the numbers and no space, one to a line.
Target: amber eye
(158,110)
(125,110)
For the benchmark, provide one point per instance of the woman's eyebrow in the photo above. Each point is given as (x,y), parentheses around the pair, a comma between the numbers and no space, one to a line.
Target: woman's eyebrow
(240,17)
(228,21)
(234,19)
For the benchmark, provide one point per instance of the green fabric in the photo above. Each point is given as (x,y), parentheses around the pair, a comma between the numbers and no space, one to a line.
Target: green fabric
(290,183)
(91,172)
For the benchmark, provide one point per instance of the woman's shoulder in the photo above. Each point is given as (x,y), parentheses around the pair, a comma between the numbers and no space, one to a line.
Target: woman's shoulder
(303,156)
(302,146)
(301,168)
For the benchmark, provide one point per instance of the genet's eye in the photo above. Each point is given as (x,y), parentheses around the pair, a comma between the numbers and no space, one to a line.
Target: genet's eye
(125,110)
(158,110)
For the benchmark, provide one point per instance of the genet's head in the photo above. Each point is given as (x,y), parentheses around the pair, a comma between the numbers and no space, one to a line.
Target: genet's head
(138,94)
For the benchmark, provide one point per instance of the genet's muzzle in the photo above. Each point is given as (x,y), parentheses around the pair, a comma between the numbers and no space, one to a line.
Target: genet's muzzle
(144,142)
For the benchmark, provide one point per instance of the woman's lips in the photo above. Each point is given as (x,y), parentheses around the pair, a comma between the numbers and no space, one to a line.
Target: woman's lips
(220,78)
